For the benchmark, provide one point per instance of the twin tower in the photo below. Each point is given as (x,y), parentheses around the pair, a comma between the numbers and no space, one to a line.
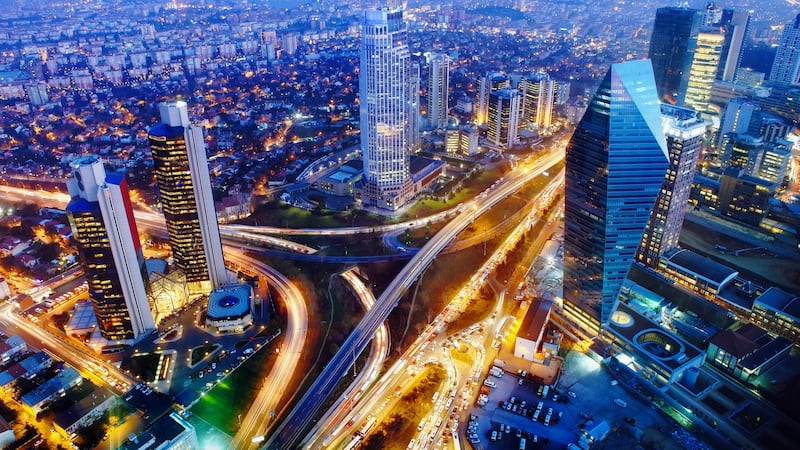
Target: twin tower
(101,217)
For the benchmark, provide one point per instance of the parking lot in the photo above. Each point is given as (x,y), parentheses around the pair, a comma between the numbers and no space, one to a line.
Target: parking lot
(583,398)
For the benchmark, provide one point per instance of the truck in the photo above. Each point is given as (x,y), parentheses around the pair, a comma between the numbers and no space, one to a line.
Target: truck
(496,372)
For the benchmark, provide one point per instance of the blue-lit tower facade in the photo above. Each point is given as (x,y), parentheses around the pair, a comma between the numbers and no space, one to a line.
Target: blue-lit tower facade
(672,47)
(615,166)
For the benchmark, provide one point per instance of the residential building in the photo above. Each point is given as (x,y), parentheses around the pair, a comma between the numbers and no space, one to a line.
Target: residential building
(101,217)
(503,117)
(184,185)
(615,166)
(492,82)
(538,92)
(438,87)
(684,131)
(786,67)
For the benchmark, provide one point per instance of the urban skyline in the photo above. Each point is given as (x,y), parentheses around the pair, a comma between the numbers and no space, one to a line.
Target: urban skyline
(545,238)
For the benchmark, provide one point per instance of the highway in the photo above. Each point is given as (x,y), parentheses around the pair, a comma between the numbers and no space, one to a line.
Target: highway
(276,390)
(290,431)
(332,423)
(382,397)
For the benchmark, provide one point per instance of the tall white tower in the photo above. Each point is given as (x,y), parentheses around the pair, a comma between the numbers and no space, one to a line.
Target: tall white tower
(438,85)
(385,114)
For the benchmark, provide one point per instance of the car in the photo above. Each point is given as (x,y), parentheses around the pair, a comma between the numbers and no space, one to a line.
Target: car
(539,406)
(614,382)
(522,404)
(571,394)
(620,402)
(508,429)
(520,381)
(494,435)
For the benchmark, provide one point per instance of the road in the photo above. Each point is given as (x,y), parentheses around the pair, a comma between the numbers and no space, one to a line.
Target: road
(289,432)
(332,423)
(276,391)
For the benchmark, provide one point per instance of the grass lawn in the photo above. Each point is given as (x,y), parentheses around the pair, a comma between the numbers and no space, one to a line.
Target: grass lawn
(199,353)
(142,366)
(222,405)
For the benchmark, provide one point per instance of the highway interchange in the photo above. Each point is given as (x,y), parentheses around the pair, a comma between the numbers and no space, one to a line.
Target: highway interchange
(261,417)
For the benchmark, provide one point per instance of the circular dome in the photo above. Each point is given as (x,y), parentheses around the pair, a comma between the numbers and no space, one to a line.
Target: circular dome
(621,319)
(229,301)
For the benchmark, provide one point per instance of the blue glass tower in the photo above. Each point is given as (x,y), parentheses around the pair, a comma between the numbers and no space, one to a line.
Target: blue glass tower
(615,165)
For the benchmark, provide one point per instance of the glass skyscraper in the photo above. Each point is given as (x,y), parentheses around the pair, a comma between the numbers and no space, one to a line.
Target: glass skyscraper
(101,218)
(615,166)
(672,46)
(386,86)
(438,87)
(181,166)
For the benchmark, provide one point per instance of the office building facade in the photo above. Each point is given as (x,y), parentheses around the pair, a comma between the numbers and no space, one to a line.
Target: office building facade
(385,82)
(684,132)
(438,86)
(184,185)
(703,70)
(101,218)
(615,166)
(503,117)
(786,67)
(492,82)
(672,46)
(538,98)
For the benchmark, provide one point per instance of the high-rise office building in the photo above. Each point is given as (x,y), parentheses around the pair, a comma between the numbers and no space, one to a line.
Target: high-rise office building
(742,151)
(684,132)
(703,70)
(503,117)
(384,81)
(538,97)
(736,118)
(412,131)
(672,46)
(736,25)
(101,218)
(184,185)
(786,67)
(712,14)
(438,85)
(492,82)
(615,165)
(773,162)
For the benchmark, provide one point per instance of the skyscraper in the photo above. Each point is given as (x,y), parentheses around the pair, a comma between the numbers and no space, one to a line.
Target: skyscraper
(615,166)
(684,132)
(503,117)
(703,70)
(538,97)
(672,46)
(492,82)
(736,118)
(786,68)
(181,166)
(101,218)
(736,24)
(384,81)
(438,85)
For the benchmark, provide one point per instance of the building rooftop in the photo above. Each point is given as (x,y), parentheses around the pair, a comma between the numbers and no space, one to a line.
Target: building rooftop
(535,320)
(778,300)
(734,343)
(702,266)
(82,408)
(229,301)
